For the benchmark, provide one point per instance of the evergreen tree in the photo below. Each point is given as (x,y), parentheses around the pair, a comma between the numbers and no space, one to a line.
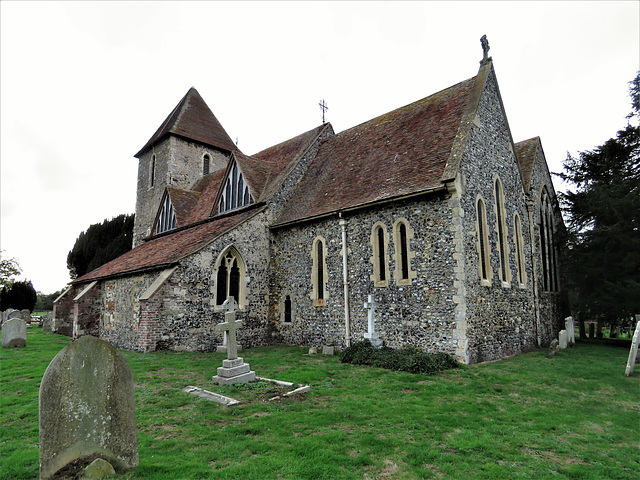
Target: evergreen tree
(101,243)
(604,225)
(19,295)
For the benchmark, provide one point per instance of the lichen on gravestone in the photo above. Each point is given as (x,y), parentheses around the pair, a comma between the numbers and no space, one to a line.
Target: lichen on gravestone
(87,408)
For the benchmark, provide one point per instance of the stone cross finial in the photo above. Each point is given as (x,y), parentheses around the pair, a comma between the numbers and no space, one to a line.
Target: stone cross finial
(229,327)
(485,49)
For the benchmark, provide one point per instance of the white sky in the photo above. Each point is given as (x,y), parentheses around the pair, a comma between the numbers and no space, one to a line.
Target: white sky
(84,85)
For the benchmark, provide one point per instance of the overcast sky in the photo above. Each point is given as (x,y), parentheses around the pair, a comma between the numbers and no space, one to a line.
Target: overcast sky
(84,85)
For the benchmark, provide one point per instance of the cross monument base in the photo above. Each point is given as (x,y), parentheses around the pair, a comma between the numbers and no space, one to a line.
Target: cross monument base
(234,371)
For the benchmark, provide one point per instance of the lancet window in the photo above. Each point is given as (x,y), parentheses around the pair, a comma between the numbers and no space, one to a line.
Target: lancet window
(167,218)
(319,272)
(484,266)
(206,164)
(379,242)
(519,243)
(547,244)
(236,191)
(402,235)
(503,248)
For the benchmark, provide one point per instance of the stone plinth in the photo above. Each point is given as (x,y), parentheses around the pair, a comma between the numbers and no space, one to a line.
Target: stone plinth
(234,371)
(374,338)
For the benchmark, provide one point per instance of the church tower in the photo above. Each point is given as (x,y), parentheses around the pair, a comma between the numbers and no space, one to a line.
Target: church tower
(189,144)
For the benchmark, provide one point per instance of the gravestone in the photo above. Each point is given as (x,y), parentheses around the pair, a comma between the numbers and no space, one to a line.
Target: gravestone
(371,334)
(234,369)
(633,352)
(14,333)
(569,326)
(87,408)
(26,315)
(225,335)
(14,314)
(553,348)
(563,339)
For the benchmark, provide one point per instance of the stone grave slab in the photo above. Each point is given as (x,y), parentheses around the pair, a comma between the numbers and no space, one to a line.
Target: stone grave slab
(87,408)
(14,333)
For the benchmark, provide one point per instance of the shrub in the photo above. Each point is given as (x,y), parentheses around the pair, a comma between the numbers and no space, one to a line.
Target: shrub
(408,359)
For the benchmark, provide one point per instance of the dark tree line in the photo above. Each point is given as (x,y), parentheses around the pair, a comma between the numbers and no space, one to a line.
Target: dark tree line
(101,243)
(603,213)
(19,295)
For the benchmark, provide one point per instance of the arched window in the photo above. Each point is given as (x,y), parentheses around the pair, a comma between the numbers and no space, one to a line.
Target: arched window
(287,309)
(547,244)
(402,235)
(484,266)
(501,227)
(235,193)
(380,260)
(167,218)
(152,171)
(230,274)
(206,164)
(319,272)
(519,243)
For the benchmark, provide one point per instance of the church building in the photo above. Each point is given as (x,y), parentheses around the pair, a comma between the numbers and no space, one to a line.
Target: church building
(431,209)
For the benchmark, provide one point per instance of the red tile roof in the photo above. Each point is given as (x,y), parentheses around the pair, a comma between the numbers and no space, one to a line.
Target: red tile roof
(400,153)
(168,249)
(192,119)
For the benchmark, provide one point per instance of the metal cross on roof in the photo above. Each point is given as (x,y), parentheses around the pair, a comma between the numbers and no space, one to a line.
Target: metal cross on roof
(324,108)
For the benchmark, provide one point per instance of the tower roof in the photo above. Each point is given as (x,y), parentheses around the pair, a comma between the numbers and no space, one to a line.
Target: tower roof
(194,120)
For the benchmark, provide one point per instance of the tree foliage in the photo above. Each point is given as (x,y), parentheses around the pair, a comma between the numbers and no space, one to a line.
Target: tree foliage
(101,243)
(9,268)
(603,212)
(45,302)
(19,295)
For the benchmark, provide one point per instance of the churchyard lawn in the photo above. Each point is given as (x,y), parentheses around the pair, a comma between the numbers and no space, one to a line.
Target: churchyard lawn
(574,415)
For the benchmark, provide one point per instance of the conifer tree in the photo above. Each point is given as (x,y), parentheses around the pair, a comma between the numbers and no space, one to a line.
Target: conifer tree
(603,212)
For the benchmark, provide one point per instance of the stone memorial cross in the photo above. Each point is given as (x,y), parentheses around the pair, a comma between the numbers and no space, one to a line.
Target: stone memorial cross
(229,327)
(371,334)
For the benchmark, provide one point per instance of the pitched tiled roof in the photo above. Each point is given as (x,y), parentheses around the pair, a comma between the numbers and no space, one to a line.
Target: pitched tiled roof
(207,188)
(192,119)
(400,153)
(168,249)
(182,201)
(526,155)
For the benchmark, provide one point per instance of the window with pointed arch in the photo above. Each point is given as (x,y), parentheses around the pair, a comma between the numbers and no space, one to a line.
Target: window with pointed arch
(548,251)
(286,309)
(402,236)
(380,258)
(501,228)
(519,243)
(484,265)
(206,164)
(235,193)
(167,218)
(230,277)
(319,275)
(152,171)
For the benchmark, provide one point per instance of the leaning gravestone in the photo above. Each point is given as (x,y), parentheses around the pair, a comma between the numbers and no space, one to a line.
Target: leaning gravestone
(87,408)
(14,333)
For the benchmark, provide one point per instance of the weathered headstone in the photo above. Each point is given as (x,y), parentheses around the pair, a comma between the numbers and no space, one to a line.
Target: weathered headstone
(26,315)
(633,352)
(14,333)
(371,334)
(87,408)
(14,314)
(569,326)
(234,369)
(562,339)
(553,348)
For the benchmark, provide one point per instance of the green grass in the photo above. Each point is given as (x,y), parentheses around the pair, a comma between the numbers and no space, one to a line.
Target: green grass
(574,416)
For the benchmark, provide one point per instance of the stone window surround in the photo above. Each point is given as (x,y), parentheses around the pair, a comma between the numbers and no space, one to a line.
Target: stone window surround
(483,243)
(319,302)
(281,308)
(242,293)
(504,272)
(397,273)
(375,258)
(518,241)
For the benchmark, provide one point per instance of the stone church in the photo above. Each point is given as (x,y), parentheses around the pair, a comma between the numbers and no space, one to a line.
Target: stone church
(431,208)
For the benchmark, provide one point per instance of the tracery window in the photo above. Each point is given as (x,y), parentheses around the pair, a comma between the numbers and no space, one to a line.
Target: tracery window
(236,191)
(230,274)
(547,244)
(484,265)
(501,227)
(402,235)
(167,218)
(319,272)
(380,259)
(519,243)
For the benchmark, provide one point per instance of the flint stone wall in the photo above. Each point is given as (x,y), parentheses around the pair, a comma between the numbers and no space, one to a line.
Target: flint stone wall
(87,407)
